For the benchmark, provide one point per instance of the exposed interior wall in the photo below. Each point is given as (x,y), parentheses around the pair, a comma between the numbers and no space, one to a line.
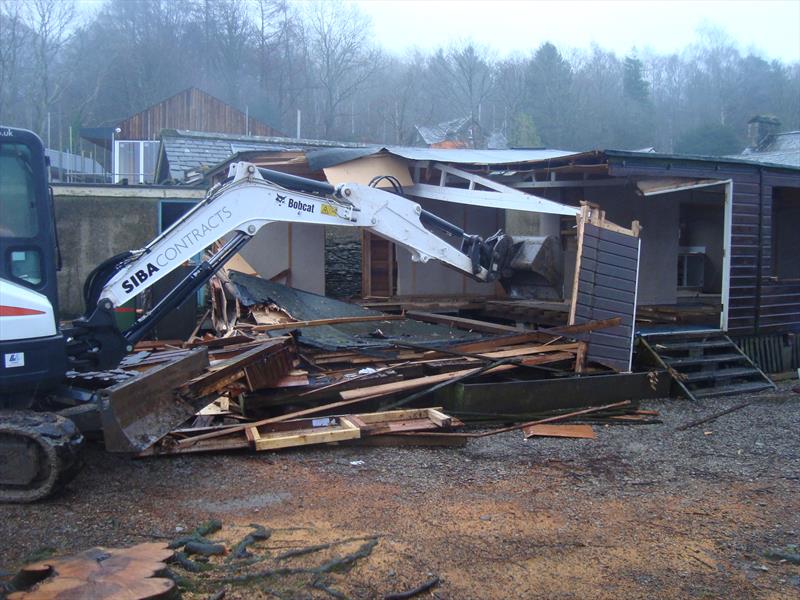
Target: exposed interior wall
(298,247)
(659,219)
(518,222)
(435,279)
(702,223)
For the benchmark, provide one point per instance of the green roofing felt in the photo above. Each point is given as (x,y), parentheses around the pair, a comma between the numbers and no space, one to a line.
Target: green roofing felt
(304,306)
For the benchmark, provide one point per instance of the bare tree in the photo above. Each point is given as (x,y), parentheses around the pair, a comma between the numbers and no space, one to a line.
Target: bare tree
(51,22)
(11,47)
(232,37)
(461,79)
(276,56)
(281,61)
(341,56)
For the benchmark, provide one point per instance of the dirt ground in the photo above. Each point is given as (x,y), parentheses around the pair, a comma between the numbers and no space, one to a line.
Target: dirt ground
(643,511)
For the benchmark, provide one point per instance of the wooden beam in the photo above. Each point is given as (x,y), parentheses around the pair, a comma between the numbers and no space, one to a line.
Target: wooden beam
(461,322)
(345,430)
(496,342)
(544,359)
(528,350)
(318,322)
(568,431)
(584,327)
(410,384)
(556,418)
(288,416)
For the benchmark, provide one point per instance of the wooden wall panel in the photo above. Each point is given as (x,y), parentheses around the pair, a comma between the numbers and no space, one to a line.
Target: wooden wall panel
(606,286)
(195,110)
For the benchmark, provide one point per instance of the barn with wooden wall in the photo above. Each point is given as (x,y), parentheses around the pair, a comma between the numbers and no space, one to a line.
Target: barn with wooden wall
(192,109)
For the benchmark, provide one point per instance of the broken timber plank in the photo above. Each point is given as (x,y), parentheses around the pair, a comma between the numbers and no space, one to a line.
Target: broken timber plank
(260,367)
(568,431)
(318,322)
(281,418)
(528,350)
(296,432)
(409,384)
(395,421)
(543,359)
(337,430)
(461,322)
(500,341)
(584,327)
(554,419)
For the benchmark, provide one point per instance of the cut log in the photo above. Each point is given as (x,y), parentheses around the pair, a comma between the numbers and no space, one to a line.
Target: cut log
(101,574)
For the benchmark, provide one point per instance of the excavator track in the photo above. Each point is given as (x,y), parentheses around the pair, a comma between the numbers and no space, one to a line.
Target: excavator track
(39,453)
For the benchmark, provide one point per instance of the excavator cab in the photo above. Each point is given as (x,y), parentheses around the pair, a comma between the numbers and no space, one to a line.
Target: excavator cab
(32,348)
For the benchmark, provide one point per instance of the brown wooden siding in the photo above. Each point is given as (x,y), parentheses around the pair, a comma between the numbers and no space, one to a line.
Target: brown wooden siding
(779,308)
(191,109)
(757,303)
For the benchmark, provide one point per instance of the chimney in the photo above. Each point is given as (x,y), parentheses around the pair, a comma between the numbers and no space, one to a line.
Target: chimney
(759,128)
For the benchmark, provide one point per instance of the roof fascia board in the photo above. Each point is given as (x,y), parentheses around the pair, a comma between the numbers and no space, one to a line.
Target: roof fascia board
(571,183)
(668,188)
(617,156)
(116,191)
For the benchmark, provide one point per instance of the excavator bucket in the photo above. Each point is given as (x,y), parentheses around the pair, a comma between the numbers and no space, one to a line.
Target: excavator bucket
(138,412)
(534,270)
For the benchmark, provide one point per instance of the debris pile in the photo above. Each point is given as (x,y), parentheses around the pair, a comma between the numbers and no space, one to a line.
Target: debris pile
(271,367)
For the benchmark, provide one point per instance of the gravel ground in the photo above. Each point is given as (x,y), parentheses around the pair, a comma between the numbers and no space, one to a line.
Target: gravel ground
(642,511)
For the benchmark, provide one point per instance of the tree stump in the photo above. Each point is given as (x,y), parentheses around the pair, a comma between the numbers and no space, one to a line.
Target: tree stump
(100,574)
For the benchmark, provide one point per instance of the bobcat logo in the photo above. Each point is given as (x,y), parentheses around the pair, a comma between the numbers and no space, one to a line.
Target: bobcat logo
(280,199)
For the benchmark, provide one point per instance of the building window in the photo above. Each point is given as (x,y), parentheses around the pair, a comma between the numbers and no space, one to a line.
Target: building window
(785,240)
(135,161)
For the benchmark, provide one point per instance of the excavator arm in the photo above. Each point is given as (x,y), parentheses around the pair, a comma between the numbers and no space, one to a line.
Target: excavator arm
(250,199)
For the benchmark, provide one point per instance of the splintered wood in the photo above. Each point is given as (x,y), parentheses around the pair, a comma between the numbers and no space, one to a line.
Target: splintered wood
(568,431)
(264,390)
(276,435)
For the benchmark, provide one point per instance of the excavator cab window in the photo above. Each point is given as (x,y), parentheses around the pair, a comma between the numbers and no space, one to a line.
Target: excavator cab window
(17,192)
(26,265)
(27,229)
(19,212)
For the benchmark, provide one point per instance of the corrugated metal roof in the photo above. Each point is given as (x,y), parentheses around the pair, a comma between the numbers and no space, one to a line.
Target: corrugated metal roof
(323,158)
(185,150)
(464,156)
(436,134)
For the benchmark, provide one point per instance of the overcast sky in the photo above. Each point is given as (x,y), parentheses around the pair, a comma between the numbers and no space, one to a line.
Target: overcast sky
(769,27)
